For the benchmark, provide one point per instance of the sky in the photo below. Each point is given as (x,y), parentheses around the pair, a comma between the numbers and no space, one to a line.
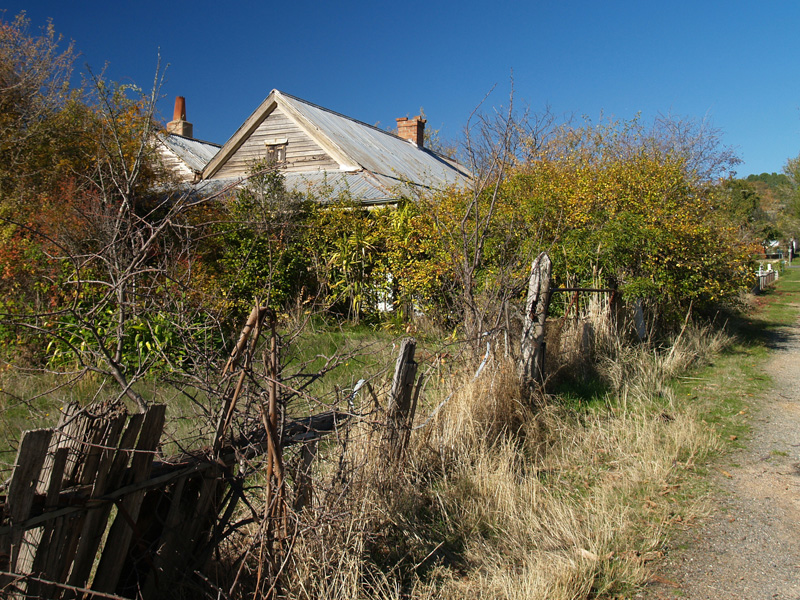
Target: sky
(732,64)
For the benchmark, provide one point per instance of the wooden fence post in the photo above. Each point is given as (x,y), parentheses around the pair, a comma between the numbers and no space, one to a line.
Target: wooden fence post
(639,320)
(401,402)
(532,348)
(304,489)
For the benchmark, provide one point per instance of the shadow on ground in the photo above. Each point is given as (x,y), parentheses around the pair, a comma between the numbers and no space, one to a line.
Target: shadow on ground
(770,330)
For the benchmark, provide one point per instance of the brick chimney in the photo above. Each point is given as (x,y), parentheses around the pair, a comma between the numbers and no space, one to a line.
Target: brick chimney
(412,130)
(179,124)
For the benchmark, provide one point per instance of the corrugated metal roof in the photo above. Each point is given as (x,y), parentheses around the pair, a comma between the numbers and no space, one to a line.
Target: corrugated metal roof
(209,188)
(331,185)
(380,152)
(195,153)
(376,166)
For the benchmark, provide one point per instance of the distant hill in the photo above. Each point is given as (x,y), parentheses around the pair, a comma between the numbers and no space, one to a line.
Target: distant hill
(773,180)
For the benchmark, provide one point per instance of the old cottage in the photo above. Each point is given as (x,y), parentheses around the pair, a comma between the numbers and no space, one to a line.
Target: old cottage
(316,149)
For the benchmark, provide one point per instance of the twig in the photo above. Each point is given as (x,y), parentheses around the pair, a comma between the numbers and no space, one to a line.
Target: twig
(64,586)
(220,593)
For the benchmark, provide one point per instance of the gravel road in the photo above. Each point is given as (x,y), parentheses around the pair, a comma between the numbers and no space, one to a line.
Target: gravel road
(749,546)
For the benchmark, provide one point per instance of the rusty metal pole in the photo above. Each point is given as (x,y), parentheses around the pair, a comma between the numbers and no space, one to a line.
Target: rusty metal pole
(273,527)
(226,414)
(275,446)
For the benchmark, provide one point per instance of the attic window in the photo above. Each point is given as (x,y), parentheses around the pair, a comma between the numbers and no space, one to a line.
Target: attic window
(276,153)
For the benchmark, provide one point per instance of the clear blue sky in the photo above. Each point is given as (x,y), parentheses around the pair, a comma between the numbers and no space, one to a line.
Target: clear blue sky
(733,62)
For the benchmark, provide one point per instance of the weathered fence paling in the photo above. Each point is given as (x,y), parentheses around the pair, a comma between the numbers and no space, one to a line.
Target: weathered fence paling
(86,457)
(121,533)
(56,514)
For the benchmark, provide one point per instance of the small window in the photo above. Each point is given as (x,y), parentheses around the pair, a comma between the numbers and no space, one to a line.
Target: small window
(276,154)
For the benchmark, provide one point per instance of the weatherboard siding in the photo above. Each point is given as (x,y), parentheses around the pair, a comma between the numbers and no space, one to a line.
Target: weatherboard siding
(172,164)
(302,152)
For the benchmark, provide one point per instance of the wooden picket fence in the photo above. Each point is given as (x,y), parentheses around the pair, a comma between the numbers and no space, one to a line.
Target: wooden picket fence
(764,280)
(91,510)
(57,537)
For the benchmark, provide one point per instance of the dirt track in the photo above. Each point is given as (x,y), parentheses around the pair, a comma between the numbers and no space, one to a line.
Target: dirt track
(749,546)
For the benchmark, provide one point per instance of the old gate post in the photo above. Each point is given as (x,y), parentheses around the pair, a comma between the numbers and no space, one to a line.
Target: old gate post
(532,348)
(401,407)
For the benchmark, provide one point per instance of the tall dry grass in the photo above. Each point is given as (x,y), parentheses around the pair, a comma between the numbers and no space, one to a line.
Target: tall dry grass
(565,505)
(498,498)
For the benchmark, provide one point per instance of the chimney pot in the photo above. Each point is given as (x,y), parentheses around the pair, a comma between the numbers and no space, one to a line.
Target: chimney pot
(179,125)
(180,109)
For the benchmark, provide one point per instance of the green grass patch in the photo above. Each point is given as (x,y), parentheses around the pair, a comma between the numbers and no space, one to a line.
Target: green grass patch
(343,354)
(725,390)
(581,394)
(324,362)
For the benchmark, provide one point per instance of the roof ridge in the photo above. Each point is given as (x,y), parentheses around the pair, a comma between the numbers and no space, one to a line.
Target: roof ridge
(338,114)
(192,139)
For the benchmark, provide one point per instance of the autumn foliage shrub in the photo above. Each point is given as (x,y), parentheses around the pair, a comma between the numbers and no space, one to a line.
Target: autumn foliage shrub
(640,223)
(616,205)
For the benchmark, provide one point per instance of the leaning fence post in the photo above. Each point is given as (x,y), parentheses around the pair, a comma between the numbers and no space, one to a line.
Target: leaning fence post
(399,408)
(532,348)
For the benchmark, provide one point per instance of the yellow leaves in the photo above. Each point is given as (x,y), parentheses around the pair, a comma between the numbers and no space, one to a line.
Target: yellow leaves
(641,206)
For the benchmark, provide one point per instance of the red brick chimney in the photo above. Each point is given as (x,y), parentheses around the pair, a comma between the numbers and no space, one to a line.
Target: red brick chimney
(412,130)
(179,124)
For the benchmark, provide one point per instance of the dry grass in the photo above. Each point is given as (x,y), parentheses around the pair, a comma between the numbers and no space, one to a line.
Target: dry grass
(499,499)
(641,373)
(575,518)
